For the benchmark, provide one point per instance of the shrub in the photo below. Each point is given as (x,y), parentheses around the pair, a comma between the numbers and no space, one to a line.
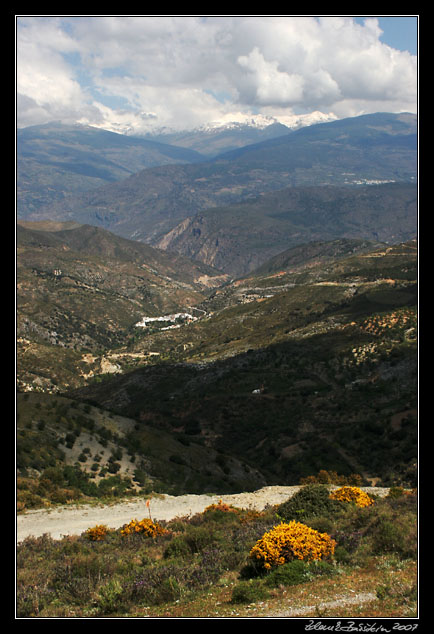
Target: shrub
(395,533)
(312,500)
(248,592)
(388,526)
(289,574)
(221,506)
(200,537)
(352,494)
(28,500)
(178,547)
(109,598)
(145,526)
(97,533)
(160,584)
(62,495)
(298,571)
(287,542)
(331,477)
(399,491)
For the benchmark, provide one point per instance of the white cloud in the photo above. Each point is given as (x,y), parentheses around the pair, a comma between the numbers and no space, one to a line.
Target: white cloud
(138,71)
(266,85)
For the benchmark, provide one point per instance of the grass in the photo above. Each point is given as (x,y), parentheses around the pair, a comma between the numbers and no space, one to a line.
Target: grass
(200,567)
(311,599)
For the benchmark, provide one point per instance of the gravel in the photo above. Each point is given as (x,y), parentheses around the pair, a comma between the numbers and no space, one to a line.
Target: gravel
(74,520)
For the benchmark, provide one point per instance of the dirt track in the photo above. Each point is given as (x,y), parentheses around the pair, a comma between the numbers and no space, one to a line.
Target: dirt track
(74,520)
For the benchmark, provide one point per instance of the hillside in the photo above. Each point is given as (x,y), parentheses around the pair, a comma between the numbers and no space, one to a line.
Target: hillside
(372,148)
(80,290)
(239,238)
(56,160)
(85,451)
(286,346)
(301,371)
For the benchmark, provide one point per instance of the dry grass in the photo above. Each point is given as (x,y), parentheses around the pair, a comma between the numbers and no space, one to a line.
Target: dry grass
(382,588)
(200,568)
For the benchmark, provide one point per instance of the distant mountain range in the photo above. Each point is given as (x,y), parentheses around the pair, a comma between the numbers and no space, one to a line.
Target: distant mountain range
(222,136)
(254,314)
(361,151)
(55,160)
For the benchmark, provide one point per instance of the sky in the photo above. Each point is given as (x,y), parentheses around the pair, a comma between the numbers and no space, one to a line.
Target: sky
(137,74)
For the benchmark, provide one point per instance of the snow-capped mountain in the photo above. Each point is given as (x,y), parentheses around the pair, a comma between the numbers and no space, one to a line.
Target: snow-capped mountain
(237,131)
(260,122)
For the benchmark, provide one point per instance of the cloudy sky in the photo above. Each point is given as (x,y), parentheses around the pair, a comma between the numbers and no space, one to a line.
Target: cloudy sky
(137,73)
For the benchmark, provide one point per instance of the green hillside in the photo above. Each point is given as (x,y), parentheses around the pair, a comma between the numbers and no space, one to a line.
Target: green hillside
(322,374)
(82,452)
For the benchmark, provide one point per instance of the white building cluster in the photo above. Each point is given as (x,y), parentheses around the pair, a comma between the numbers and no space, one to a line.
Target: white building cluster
(186,317)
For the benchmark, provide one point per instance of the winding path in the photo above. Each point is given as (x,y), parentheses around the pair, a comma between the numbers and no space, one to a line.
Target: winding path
(75,519)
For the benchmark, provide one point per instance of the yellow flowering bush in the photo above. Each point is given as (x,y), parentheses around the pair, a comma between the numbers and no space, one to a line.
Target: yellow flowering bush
(97,533)
(352,494)
(287,542)
(221,506)
(146,526)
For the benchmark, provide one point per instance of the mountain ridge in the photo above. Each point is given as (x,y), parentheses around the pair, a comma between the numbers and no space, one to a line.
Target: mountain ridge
(301,362)
(239,238)
(55,160)
(150,203)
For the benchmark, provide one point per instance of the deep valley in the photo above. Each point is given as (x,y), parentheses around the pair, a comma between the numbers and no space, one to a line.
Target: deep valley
(224,324)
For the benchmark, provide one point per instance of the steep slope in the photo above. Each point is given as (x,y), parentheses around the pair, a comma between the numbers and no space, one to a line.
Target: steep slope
(81,290)
(381,147)
(239,238)
(56,160)
(317,372)
(115,456)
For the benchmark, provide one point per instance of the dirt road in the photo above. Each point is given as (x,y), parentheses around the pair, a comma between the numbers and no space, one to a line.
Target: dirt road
(74,520)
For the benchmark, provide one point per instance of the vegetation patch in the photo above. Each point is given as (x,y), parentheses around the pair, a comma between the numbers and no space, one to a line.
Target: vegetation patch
(218,561)
(287,542)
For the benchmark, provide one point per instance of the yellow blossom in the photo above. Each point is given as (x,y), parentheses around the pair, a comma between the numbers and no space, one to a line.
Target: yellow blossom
(146,526)
(294,540)
(97,533)
(352,494)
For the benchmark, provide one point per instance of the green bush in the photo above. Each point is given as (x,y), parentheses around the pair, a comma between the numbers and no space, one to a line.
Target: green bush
(199,537)
(298,571)
(312,500)
(290,574)
(249,592)
(178,547)
(388,526)
(391,534)
(109,598)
